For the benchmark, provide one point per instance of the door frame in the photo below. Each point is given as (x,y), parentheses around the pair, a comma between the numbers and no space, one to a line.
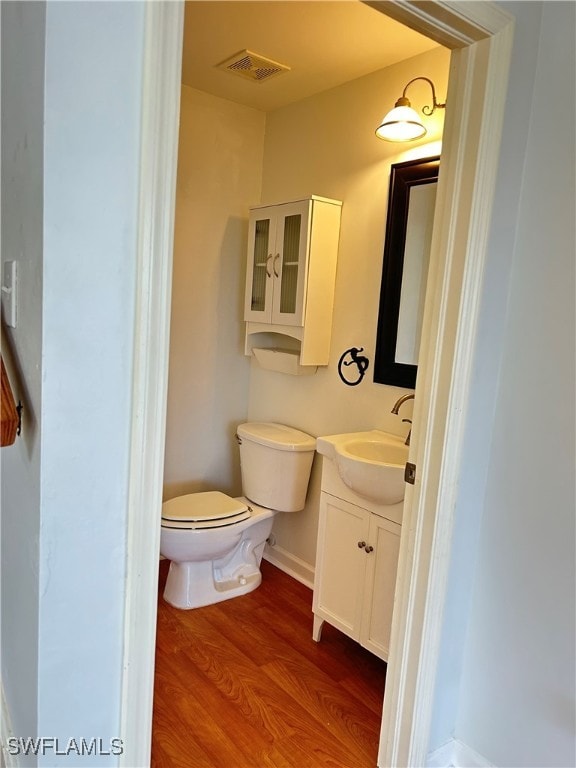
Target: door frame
(480,37)
(160,117)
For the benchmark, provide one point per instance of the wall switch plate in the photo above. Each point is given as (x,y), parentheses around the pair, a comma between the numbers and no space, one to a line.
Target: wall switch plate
(10,292)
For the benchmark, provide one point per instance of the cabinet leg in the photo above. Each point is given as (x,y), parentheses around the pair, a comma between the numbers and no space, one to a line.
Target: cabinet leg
(317,628)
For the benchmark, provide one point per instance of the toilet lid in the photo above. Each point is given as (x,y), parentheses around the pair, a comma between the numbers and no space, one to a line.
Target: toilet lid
(210,509)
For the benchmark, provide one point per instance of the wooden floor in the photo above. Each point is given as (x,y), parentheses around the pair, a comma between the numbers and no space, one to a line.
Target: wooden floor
(242,684)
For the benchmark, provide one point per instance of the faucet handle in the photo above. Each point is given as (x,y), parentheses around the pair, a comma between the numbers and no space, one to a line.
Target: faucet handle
(408,436)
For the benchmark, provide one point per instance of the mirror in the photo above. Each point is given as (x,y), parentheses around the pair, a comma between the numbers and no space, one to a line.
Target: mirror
(411,203)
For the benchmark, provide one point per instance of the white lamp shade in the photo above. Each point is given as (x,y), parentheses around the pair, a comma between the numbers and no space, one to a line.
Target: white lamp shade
(401,124)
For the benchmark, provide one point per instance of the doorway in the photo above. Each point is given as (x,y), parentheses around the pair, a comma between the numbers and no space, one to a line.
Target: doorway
(216,184)
(482,44)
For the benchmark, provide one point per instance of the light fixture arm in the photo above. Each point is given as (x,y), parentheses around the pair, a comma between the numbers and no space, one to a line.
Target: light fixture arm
(426,109)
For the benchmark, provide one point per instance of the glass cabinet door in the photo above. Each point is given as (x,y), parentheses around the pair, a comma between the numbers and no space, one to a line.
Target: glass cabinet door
(261,259)
(260,265)
(289,263)
(276,272)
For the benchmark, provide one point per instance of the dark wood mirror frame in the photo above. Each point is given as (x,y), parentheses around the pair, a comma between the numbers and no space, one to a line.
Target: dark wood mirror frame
(403,176)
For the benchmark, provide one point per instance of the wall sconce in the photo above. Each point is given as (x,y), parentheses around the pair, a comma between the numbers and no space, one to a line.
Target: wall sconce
(403,123)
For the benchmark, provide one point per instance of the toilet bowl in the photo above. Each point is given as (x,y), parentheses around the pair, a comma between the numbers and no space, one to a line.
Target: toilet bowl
(215,542)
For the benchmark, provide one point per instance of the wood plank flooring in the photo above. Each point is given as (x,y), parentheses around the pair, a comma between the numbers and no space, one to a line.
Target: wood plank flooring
(242,684)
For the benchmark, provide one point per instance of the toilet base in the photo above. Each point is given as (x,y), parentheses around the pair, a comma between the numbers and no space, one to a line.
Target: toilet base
(195,583)
(192,585)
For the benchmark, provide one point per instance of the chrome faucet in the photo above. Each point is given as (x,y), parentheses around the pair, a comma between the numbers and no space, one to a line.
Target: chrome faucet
(396,409)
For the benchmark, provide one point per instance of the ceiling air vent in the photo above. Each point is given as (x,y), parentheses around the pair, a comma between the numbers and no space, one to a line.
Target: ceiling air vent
(253,67)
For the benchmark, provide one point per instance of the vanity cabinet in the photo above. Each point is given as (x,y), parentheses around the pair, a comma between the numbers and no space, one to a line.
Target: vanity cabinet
(355,578)
(290,278)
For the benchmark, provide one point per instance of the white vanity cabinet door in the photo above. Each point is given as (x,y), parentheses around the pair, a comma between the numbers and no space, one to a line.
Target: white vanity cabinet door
(278,238)
(355,578)
(382,567)
(340,565)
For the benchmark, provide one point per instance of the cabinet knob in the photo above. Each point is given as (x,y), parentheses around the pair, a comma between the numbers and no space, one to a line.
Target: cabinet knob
(361,544)
(267,265)
(369,549)
(276,274)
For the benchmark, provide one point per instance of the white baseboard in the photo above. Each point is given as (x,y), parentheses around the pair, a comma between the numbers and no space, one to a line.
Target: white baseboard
(6,759)
(290,564)
(456,754)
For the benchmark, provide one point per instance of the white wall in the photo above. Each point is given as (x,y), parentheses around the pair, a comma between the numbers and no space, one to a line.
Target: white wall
(506,683)
(23,26)
(64,575)
(325,145)
(219,177)
(91,162)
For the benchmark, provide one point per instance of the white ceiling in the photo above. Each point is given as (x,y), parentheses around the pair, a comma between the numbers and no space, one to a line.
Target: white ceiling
(324,42)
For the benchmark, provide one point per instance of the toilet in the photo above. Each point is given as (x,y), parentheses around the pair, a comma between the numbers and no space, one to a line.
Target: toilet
(215,542)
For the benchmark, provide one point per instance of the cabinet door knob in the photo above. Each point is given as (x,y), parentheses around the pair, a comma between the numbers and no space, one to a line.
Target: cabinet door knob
(369,549)
(277,274)
(267,265)
(361,544)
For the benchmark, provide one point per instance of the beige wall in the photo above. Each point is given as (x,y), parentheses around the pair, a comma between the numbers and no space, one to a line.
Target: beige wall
(325,145)
(219,175)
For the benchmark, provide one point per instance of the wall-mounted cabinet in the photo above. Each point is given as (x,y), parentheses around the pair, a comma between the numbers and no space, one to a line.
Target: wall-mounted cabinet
(356,565)
(290,279)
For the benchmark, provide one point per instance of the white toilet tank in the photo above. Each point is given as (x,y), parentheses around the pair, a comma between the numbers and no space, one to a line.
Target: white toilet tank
(275,461)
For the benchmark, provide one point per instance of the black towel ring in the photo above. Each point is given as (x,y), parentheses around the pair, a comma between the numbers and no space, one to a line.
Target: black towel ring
(356,359)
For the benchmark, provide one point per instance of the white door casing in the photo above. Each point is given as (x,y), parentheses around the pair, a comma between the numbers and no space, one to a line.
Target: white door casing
(480,35)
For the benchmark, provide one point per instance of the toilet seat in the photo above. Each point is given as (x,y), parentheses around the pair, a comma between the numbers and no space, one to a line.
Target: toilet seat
(209,509)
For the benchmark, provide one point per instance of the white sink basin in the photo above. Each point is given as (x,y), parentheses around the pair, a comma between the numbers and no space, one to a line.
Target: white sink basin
(370,463)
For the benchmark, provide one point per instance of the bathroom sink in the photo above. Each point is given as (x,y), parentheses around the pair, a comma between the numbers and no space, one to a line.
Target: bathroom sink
(376,451)
(370,463)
